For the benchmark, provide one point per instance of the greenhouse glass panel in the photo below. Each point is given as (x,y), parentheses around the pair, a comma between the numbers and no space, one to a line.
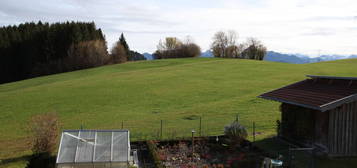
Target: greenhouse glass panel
(120,150)
(103,147)
(68,147)
(85,146)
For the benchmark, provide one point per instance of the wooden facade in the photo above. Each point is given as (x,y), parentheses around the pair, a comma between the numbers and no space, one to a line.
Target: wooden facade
(332,132)
(342,134)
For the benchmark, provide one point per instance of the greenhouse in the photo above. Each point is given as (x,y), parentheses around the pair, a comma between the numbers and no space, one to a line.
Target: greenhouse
(94,149)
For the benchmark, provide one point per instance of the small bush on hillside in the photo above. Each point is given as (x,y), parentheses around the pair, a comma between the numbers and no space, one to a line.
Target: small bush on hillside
(44,130)
(236,133)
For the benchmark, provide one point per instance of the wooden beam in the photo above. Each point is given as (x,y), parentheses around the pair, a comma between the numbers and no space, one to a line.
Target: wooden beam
(330,131)
(353,129)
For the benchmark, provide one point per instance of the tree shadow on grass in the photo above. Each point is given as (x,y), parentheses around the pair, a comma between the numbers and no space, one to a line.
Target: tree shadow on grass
(15,159)
(43,160)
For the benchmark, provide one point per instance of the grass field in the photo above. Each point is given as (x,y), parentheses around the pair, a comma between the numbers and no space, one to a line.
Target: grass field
(177,91)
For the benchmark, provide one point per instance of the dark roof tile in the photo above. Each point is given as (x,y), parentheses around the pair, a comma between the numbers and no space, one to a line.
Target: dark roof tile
(320,93)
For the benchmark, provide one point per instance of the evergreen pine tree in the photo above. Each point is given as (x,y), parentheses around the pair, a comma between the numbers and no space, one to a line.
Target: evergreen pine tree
(123,43)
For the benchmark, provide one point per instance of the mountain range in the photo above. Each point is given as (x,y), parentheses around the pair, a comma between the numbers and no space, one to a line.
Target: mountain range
(280,57)
(302,59)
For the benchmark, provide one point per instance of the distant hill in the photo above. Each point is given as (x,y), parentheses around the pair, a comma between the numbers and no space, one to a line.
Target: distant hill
(287,58)
(148,56)
(207,54)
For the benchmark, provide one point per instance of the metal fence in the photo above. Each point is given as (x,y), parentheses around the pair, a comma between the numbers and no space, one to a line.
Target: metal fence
(164,129)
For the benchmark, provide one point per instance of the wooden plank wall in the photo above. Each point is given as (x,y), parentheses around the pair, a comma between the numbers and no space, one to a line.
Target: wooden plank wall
(342,134)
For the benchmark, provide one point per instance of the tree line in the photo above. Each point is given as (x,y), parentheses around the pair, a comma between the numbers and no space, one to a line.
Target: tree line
(225,45)
(36,49)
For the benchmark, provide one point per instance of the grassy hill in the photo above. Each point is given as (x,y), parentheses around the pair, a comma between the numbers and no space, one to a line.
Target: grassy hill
(177,91)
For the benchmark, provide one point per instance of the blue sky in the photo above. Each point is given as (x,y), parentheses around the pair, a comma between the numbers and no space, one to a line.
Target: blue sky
(288,26)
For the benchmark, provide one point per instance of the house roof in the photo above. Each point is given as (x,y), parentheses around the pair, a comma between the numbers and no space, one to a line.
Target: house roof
(318,92)
(89,146)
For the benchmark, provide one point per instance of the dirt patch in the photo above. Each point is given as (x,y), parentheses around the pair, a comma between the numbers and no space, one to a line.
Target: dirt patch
(191,117)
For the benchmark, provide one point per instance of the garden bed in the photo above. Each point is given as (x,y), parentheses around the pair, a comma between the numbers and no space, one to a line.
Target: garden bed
(207,152)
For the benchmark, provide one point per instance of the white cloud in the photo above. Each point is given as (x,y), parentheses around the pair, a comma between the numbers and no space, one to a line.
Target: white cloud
(304,26)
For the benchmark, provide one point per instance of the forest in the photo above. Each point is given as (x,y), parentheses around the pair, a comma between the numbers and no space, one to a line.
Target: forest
(36,49)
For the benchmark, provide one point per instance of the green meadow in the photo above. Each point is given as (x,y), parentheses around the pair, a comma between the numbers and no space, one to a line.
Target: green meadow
(140,94)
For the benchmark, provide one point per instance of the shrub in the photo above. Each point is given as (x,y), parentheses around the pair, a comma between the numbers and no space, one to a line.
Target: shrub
(154,154)
(236,133)
(44,129)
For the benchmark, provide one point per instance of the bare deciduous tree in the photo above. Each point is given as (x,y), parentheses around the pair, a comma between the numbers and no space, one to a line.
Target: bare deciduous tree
(170,43)
(173,47)
(220,43)
(224,44)
(87,54)
(232,37)
(255,49)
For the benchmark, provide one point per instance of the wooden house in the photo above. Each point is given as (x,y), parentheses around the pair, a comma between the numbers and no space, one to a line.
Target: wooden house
(320,111)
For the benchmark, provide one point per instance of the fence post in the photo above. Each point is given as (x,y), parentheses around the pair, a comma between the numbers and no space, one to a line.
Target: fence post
(161,130)
(253,131)
(313,163)
(81,126)
(193,142)
(237,117)
(122,124)
(200,125)
(289,155)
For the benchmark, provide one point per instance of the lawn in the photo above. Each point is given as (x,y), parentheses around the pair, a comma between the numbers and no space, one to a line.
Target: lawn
(140,94)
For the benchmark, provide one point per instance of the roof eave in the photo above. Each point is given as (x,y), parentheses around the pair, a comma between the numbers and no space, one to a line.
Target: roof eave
(339,102)
(293,103)
(322,108)
(331,77)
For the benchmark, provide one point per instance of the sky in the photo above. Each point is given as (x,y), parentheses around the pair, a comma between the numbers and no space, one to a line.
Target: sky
(312,27)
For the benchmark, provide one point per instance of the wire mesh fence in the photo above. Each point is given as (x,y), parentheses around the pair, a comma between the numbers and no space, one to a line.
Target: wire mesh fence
(178,128)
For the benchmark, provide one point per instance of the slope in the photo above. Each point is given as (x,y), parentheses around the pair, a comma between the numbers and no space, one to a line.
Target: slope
(140,94)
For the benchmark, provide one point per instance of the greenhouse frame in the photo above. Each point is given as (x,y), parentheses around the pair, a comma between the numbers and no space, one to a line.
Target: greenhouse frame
(94,149)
